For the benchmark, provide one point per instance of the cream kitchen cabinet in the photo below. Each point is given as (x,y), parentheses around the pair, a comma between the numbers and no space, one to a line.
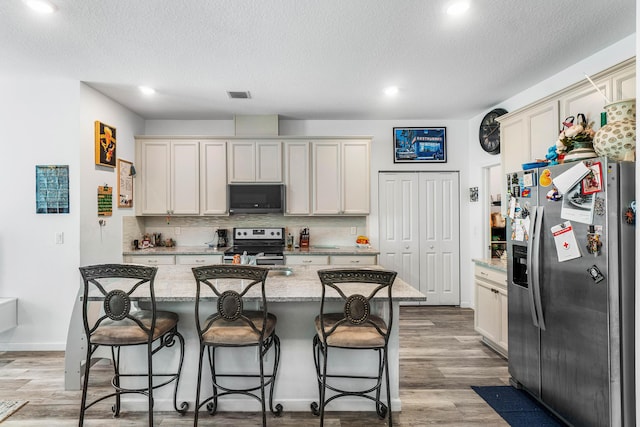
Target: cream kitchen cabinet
(491,312)
(150,259)
(297,177)
(198,259)
(340,177)
(352,260)
(306,259)
(213,177)
(616,84)
(528,134)
(169,177)
(254,161)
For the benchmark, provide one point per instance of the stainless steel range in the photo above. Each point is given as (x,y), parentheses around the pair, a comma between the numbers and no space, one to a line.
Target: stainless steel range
(266,244)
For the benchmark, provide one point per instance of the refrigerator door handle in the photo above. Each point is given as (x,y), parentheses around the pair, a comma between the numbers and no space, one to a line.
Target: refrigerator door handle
(536,266)
(531,269)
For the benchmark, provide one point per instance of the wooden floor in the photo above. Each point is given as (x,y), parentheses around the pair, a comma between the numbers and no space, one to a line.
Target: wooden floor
(440,358)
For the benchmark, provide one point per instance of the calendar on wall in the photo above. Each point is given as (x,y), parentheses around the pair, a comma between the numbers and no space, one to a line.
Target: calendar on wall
(105,200)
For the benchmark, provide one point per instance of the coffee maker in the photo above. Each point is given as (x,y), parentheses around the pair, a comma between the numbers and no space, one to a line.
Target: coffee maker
(223,239)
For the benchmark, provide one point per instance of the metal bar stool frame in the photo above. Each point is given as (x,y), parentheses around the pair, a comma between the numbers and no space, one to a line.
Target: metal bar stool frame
(356,314)
(230,308)
(117,307)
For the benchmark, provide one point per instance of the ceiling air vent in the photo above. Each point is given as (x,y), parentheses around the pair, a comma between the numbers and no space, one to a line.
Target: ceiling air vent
(238,95)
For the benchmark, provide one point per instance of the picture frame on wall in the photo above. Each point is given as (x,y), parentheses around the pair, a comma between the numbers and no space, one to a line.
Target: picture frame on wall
(125,184)
(105,138)
(419,144)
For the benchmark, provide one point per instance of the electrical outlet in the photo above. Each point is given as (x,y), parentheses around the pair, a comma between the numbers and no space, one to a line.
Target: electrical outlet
(354,230)
(59,238)
(176,230)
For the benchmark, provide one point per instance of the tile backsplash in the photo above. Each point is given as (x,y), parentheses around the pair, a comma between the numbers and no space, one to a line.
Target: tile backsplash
(198,230)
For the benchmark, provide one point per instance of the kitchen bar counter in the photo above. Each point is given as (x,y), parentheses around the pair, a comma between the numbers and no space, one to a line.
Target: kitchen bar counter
(294,299)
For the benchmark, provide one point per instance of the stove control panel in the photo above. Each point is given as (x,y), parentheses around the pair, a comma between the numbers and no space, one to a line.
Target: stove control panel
(258,233)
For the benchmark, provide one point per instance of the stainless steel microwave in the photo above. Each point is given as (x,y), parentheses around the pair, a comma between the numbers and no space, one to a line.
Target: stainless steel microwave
(256,198)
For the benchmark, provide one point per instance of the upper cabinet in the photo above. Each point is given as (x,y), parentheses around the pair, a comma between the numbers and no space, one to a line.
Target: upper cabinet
(340,177)
(169,177)
(213,177)
(297,176)
(255,161)
(535,129)
(615,85)
(185,176)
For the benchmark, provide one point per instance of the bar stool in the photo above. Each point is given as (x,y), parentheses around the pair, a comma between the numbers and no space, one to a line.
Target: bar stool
(233,327)
(123,324)
(354,328)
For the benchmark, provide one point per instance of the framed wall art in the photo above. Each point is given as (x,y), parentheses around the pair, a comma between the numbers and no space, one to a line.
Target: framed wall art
(52,189)
(105,136)
(125,184)
(420,145)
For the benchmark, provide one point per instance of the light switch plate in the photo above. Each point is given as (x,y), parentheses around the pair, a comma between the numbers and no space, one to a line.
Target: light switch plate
(59,238)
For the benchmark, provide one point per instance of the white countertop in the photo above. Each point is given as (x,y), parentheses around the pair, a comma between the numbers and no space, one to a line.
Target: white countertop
(177,283)
(494,263)
(205,250)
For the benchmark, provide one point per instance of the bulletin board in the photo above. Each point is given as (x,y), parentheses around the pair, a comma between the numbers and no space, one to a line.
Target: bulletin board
(125,184)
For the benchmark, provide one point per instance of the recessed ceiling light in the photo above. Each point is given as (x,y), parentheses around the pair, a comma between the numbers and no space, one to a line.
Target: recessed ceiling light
(41,6)
(391,90)
(458,8)
(147,90)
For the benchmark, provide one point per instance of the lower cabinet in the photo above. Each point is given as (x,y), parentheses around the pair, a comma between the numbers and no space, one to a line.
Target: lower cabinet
(491,313)
(173,259)
(198,259)
(353,259)
(306,259)
(150,259)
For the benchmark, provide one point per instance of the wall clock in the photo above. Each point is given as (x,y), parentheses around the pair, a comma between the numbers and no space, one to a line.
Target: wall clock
(490,131)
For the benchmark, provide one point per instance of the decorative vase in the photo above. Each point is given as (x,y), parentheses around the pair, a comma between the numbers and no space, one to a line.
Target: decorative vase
(617,139)
(580,151)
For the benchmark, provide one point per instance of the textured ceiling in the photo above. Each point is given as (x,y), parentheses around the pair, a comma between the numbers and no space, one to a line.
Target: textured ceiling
(309,59)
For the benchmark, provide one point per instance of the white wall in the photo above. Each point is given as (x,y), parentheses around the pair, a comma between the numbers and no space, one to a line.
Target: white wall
(103,244)
(49,121)
(39,127)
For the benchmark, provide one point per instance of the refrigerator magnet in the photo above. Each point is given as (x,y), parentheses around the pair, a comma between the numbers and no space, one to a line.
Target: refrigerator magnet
(592,183)
(554,195)
(545,178)
(594,244)
(565,240)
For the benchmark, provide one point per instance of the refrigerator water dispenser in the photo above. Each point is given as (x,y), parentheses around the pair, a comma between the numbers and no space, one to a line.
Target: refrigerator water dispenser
(519,254)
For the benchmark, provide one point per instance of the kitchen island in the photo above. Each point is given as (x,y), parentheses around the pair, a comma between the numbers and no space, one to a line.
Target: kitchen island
(294,299)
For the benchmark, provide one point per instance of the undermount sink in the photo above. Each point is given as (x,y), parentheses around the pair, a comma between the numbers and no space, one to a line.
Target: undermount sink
(281,271)
(324,246)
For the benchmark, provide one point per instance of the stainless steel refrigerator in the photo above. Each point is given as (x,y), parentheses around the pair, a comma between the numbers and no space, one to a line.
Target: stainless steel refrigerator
(571,322)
